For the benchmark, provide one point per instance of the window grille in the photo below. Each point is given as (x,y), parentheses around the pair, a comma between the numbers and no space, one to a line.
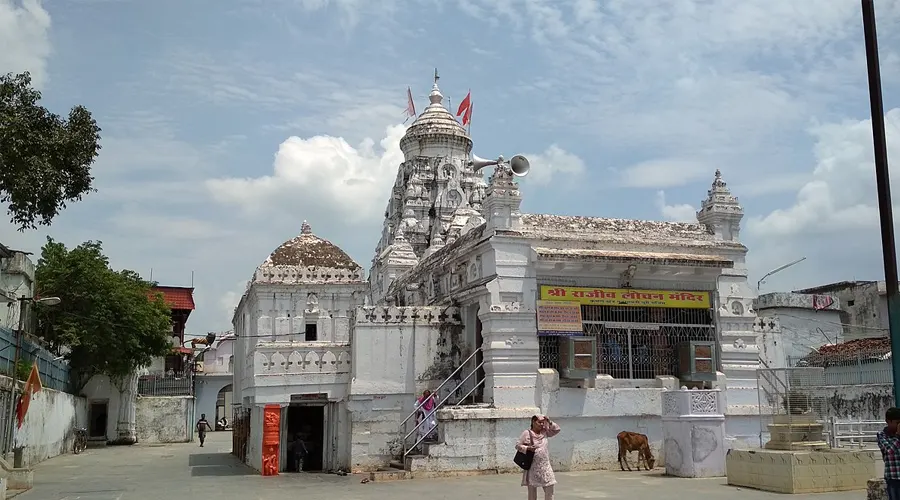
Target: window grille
(636,342)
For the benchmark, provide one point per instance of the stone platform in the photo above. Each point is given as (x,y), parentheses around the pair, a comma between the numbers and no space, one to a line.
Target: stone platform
(800,471)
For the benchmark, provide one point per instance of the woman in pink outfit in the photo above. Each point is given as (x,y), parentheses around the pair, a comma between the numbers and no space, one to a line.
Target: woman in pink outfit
(535,439)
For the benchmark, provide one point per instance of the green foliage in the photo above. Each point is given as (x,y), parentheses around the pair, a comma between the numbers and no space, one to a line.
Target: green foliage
(45,160)
(23,369)
(108,319)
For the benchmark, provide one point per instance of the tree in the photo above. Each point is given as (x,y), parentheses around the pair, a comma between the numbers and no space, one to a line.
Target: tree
(45,160)
(110,321)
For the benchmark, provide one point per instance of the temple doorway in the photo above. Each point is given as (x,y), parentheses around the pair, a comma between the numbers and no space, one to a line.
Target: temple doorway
(305,439)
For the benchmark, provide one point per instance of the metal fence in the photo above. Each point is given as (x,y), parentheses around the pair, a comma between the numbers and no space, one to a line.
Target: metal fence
(861,367)
(166,385)
(54,372)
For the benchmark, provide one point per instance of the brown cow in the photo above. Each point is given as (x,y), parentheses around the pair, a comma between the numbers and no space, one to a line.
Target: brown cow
(632,441)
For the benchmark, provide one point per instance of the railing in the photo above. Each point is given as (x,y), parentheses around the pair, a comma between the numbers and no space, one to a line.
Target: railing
(301,359)
(439,403)
(54,371)
(856,434)
(166,385)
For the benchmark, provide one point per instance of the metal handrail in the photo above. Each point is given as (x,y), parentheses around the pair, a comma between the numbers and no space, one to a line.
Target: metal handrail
(460,367)
(438,406)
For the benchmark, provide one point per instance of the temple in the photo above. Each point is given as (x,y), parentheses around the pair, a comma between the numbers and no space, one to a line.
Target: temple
(501,314)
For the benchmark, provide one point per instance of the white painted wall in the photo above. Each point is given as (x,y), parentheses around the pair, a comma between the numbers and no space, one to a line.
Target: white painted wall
(254,441)
(48,428)
(165,419)
(394,361)
(100,389)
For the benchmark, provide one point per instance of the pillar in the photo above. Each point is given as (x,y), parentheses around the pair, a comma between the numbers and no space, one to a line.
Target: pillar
(694,432)
(510,356)
(271,439)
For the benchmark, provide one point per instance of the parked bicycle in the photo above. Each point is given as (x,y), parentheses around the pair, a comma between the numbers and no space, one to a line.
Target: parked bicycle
(80,440)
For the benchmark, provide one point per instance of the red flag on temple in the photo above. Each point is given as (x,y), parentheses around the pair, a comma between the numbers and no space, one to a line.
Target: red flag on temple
(465,109)
(410,105)
(32,385)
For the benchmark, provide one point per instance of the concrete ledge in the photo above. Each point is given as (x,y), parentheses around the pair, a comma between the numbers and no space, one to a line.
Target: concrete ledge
(20,479)
(400,475)
(800,471)
(875,489)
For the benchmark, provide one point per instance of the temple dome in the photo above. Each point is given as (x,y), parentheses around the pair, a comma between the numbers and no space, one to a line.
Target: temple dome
(435,125)
(308,250)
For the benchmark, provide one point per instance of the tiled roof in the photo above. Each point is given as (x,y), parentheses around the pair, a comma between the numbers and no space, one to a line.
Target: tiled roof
(858,349)
(177,297)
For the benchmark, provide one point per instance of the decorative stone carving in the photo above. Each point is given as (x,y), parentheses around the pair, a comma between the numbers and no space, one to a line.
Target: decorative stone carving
(670,403)
(514,341)
(704,402)
(312,303)
(693,433)
(506,307)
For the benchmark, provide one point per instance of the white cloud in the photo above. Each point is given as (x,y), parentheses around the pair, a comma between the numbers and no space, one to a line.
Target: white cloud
(676,213)
(323,174)
(553,163)
(229,300)
(664,173)
(841,195)
(25,39)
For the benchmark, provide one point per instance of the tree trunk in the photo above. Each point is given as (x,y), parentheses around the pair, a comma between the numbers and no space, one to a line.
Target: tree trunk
(126,428)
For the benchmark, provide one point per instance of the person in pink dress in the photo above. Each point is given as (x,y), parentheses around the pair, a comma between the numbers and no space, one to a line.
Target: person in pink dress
(535,439)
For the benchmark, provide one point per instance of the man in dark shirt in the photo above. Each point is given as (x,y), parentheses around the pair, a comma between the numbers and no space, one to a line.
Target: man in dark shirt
(202,427)
(889,443)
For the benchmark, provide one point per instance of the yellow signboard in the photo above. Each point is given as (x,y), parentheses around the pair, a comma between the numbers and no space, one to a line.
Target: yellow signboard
(626,297)
(558,318)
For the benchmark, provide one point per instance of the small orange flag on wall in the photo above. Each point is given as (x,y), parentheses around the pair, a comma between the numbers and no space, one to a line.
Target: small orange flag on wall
(32,385)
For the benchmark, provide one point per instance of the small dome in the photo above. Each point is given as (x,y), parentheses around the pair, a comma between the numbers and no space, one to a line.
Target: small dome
(435,121)
(308,250)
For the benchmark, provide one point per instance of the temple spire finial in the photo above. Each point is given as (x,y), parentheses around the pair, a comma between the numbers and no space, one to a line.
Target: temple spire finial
(435,97)
(305,228)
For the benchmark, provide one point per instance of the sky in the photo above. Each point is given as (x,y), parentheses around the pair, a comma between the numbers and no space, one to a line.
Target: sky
(227,123)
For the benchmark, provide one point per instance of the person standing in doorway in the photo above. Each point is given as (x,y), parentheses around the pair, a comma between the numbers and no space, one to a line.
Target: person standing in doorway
(889,443)
(202,428)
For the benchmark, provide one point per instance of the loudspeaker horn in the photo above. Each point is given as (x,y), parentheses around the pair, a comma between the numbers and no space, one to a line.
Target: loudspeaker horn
(519,165)
(478,163)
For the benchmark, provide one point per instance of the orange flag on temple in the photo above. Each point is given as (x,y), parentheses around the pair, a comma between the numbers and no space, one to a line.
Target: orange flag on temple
(32,385)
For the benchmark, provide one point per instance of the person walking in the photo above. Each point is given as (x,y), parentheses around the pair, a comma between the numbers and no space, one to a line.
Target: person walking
(889,443)
(202,428)
(535,440)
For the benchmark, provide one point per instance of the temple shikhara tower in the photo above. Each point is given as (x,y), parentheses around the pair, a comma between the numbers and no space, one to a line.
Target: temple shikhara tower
(501,314)
(435,196)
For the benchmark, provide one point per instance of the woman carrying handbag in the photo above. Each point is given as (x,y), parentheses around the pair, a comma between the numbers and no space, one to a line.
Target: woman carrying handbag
(532,456)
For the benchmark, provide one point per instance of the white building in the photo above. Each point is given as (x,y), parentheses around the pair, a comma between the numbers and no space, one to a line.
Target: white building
(213,380)
(457,280)
(16,281)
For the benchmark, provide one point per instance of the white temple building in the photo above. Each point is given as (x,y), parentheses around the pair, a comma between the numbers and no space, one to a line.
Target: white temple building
(502,314)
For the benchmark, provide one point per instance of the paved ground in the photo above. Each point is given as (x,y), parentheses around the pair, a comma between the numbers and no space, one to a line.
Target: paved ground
(186,471)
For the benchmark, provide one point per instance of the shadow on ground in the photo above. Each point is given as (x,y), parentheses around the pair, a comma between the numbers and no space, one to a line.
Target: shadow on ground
(217,464)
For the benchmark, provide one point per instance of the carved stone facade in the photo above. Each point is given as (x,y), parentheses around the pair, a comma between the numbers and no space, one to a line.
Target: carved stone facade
(437,196)
(457,271)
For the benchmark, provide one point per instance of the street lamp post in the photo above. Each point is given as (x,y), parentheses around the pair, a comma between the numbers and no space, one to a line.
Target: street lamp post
(23,301)
(776,271)
(882,178)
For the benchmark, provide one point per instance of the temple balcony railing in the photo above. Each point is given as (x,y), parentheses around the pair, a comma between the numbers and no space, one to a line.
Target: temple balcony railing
(306,362)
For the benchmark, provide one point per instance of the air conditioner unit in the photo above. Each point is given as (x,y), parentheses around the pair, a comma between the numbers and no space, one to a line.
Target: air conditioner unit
(198,367)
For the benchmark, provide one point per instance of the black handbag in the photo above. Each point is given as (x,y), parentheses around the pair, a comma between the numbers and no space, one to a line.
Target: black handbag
(524,460)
